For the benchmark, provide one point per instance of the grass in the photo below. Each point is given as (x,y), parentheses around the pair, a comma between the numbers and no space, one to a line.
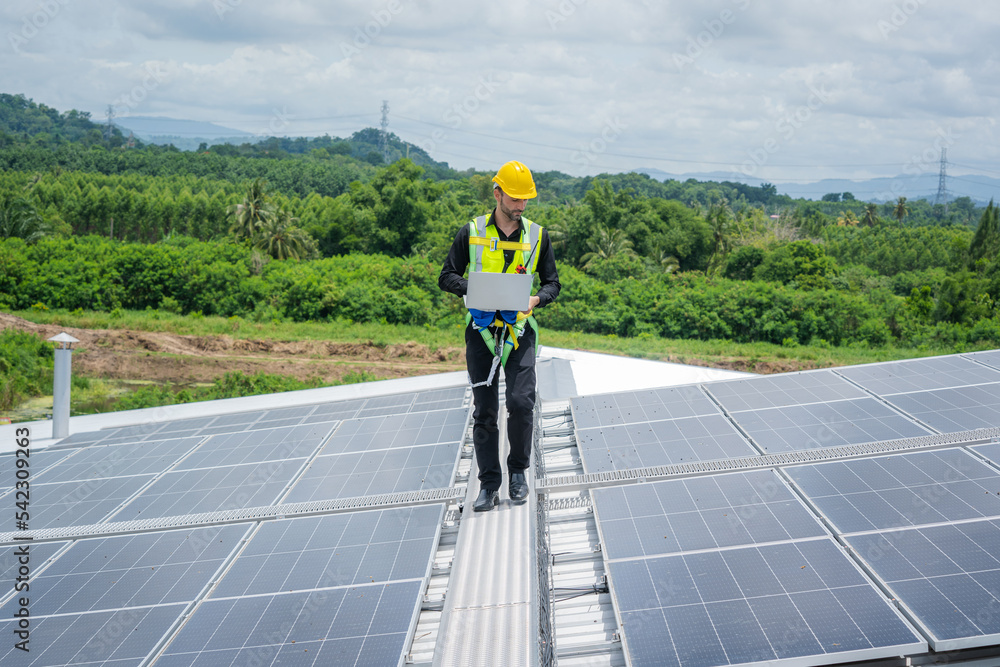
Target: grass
(712,353)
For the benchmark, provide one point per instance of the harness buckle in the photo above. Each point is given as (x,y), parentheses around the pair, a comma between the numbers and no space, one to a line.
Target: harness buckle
(493,244)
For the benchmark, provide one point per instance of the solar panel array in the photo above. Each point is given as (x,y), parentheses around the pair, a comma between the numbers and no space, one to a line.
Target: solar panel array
(849,559)
(338,588)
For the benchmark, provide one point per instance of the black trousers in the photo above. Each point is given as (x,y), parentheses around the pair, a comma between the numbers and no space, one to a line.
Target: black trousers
(519,373)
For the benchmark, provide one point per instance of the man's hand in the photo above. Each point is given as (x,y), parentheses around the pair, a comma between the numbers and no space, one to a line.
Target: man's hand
(532,302)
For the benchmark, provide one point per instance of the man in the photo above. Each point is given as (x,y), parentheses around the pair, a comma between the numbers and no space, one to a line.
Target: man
(509,243)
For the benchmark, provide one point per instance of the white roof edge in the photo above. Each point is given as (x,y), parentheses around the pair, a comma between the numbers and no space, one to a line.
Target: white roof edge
(41,431)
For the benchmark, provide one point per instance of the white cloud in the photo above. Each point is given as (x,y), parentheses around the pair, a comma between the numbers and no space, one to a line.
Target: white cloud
(555,72)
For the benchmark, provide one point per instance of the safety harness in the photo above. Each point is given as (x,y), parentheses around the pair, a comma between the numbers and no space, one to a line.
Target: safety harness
(508,325)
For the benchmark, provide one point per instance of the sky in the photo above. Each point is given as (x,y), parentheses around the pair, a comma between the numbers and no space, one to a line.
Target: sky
(782,90)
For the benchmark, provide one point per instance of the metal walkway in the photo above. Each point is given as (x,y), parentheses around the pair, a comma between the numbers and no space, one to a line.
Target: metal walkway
(490,612)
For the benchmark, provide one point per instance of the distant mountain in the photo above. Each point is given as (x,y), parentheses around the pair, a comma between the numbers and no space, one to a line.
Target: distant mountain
(923,186)
(183,134)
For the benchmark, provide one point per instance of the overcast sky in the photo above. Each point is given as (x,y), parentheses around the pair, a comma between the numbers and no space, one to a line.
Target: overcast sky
(785,90)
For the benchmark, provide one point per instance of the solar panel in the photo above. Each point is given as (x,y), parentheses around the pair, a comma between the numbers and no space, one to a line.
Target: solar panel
(256,446)
(847,422)
(103,461)
(146,569)
(660,443)
(898,377)
(404,430)
(902,490)
(777,391)
(953,410)
(990,451)
(81,502)
(947,577)
(729,510)
(991,358)
(122,638)
(804,602)
(361,626)
(212,489)
(632,407)
(382,471)
(335,550)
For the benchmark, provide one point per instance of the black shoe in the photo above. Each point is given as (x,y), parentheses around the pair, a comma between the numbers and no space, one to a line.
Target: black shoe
(486,501)
(518,488)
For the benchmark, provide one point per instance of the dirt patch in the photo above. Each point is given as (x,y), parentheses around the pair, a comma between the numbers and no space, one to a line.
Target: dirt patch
(122,354)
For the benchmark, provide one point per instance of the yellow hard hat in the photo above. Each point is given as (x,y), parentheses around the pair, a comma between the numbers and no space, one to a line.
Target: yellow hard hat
(515,179)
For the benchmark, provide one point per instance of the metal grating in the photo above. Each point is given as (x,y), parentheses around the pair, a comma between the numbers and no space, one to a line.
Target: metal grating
(289,510)
(591,480)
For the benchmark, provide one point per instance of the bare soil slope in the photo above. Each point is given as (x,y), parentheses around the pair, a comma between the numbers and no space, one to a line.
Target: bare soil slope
(122,354)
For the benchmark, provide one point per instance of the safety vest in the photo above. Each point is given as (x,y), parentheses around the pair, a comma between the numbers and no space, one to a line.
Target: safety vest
(486,253)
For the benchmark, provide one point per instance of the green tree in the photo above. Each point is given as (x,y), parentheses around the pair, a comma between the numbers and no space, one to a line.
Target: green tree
(18,218)
(610,242)
(250,215)
(985,245)
(871,215)
(281,239)
(901,210)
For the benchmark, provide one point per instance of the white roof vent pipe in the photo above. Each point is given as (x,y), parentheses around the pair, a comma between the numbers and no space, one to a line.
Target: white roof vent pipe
(61,381)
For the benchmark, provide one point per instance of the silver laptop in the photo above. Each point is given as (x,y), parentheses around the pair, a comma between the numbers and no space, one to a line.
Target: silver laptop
(499,291)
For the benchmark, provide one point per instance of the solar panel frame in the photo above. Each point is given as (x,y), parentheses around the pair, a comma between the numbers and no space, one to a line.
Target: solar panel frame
(258,446)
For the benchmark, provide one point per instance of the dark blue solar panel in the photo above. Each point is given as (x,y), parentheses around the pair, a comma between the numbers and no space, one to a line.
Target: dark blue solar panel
(335,550)
(141,570)
(700,513)
(948,576)
(362,626)
(121,638)
(901,490)
(776,602)
(832,424)
(661,443)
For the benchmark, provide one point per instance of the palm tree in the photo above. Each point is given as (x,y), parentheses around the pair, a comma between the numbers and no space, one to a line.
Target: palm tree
(848,219)
(668,262)
(610,241)
(871,215)
(901,210)
(722,222)
(281,239)
(253,212)
(18,218)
